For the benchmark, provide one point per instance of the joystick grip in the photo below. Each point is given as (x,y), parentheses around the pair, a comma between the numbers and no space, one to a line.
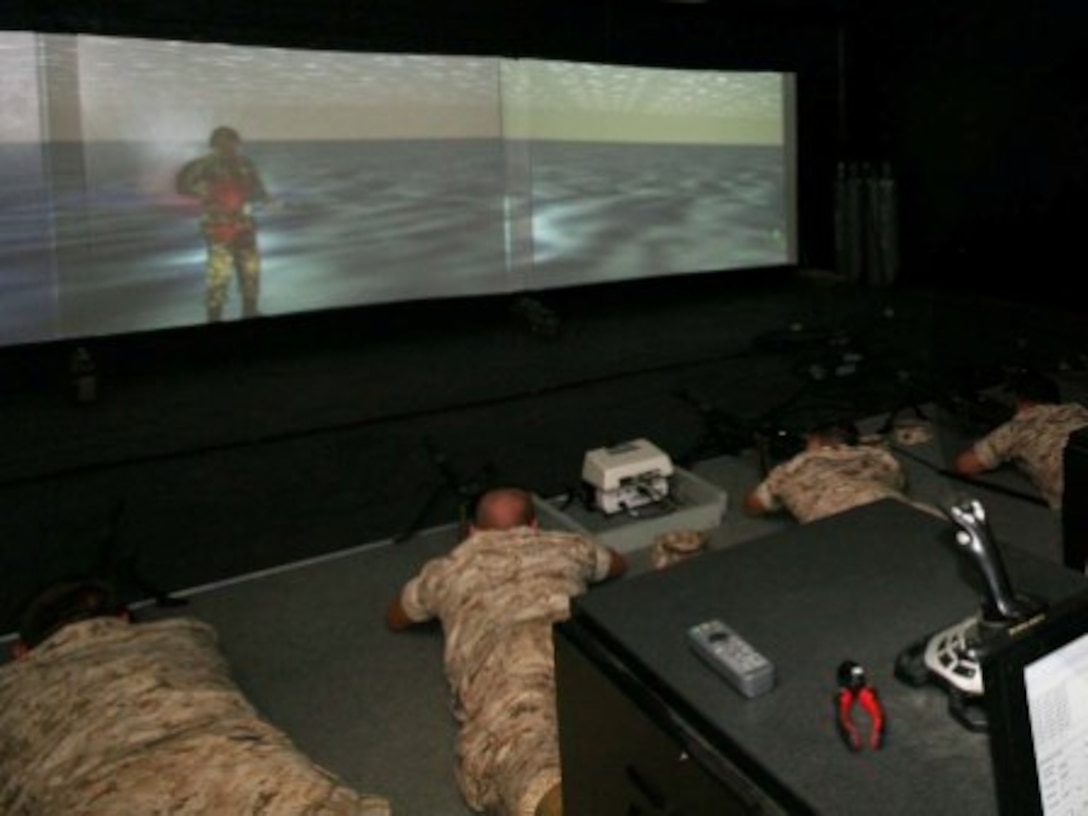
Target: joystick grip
(974,537)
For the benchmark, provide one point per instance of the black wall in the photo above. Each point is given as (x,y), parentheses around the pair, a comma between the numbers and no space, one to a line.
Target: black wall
(982,108)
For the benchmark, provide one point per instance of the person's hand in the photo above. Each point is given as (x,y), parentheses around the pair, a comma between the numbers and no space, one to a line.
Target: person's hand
(395,617)
(967,463)
(753,505)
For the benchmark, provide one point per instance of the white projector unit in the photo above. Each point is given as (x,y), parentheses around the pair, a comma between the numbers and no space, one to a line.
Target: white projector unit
(626,476)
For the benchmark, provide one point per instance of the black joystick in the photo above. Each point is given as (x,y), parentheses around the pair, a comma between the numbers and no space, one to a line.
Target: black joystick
(999,604)
(952,657)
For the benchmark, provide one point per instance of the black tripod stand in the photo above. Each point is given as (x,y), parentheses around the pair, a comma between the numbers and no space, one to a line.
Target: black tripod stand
(465,491)
(722,433)
(909,399)
(119,566)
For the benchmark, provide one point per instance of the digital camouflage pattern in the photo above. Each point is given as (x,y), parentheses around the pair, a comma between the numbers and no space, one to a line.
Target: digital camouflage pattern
(227,186)
(223,259)
(498,594)
(677,545)
(109,718)
(819,483)
(1034,440)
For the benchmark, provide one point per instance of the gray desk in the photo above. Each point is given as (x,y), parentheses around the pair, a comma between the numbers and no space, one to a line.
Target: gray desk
(862,585)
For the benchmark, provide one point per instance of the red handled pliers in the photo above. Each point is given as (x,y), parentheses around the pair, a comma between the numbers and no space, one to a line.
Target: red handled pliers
(855,688)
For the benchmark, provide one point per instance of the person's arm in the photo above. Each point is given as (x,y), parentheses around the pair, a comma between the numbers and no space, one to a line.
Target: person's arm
(617,566)
(395,616)
(968,463)
(989,452)
(257,192)
(762,499)
(753,503)
(190,178)
(417,602)
(413,604)
(601,563)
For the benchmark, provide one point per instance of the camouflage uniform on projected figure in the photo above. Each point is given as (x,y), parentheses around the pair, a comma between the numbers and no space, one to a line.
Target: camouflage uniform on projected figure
(228,185)
(832,474)
(497,595)
(103,717)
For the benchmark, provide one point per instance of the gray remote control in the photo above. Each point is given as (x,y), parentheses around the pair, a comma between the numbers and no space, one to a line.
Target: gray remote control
(733,657)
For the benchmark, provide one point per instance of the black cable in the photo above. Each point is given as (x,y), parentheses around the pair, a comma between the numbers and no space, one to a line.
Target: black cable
(467,491)
(121,566)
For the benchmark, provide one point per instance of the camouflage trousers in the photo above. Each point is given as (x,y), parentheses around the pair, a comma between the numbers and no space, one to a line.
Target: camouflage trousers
(508,747)
(225,258)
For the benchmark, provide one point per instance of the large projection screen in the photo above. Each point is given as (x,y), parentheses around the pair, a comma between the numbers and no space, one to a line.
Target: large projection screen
(389,178)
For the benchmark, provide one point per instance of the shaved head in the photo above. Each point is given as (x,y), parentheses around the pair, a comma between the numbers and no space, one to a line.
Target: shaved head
(504,508)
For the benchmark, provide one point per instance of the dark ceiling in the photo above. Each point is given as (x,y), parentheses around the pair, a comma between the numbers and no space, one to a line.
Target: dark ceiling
(341,18)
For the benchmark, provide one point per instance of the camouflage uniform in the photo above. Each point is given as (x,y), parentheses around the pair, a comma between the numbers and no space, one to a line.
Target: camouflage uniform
(227,185)
(818,483)
(1034,440)
(108,718)
(497,595)
(676,546)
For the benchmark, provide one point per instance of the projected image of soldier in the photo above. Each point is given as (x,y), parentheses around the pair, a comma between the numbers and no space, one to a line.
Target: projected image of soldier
(228,186)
